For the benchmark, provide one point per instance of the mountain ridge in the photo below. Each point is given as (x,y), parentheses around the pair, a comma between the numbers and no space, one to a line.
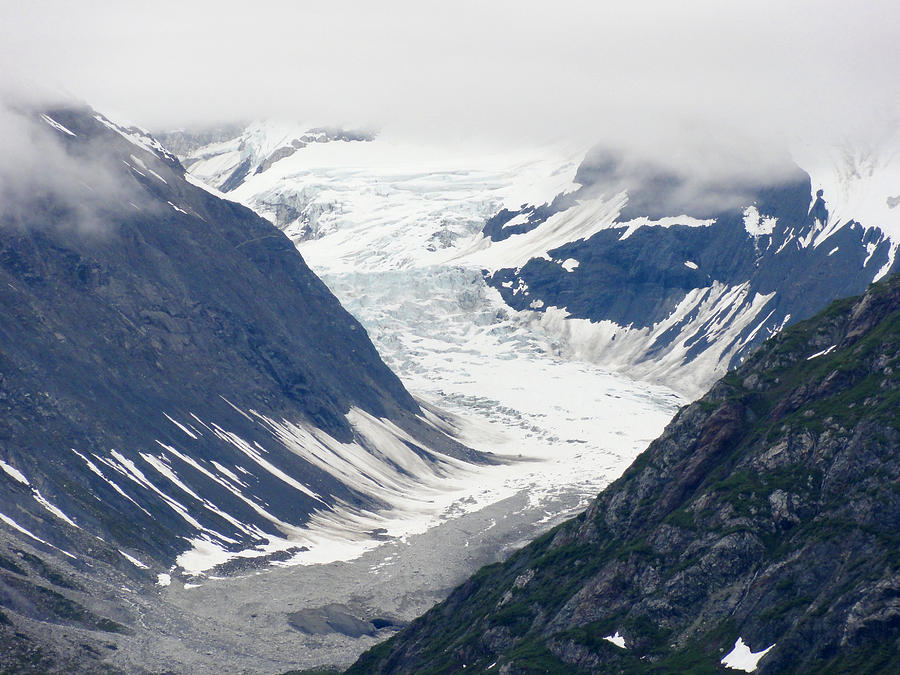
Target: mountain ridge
(179,392)
(766,511)
(679,288)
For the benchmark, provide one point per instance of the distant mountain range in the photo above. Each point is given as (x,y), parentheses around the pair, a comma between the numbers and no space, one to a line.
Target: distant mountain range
(629,264)
(662,278)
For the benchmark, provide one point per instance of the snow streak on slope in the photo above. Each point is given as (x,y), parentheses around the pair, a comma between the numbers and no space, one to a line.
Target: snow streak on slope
(413,487)
(557,440)
(718,315)
(384,223)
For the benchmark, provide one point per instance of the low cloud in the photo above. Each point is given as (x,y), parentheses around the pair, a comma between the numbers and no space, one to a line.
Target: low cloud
(698,86)
(45,183)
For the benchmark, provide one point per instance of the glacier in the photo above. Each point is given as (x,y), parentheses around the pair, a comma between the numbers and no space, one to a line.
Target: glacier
(394,229)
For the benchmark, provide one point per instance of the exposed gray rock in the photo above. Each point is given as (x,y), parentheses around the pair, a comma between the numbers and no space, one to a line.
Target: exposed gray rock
(746,518)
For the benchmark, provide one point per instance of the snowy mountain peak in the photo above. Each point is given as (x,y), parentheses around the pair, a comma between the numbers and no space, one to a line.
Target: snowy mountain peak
(227,163)
(860,183)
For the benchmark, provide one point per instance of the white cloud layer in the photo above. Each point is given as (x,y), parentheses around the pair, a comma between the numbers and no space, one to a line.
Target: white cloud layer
(655,76)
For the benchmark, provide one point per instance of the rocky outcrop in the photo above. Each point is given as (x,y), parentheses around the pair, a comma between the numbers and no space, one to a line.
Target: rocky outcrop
(767,511)
(688,277)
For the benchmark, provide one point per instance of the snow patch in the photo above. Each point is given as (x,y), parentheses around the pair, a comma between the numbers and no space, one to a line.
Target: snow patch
(758,225)
(137,171)
(14,473)
(632,226)
(13,524)
(581,221)
(56,125)
(691,264)
(127,468)
(519,219)
(822,353)
(182,427)
(112,484)
(134,561)
(157,176)
(741,658)
(230,474)
(892,253)
(569,264)
(163,579)
(616,639)
(39,498)
(870,251)
(18,476)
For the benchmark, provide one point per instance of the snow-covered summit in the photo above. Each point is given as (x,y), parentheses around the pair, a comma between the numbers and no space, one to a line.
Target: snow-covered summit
(387,203)
(861,184)
(226,164)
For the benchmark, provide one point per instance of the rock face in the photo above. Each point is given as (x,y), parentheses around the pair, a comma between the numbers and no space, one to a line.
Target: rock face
(767,511)
(679,280)
(173,378)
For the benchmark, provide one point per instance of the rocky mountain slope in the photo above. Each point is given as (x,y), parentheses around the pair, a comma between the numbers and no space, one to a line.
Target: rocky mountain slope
(178,391)
(675,278)
(759,529)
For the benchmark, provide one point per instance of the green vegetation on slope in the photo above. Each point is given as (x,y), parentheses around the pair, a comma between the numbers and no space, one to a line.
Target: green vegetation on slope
(769,510)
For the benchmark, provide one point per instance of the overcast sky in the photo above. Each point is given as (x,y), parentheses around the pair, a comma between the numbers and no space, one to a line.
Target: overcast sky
(644,71)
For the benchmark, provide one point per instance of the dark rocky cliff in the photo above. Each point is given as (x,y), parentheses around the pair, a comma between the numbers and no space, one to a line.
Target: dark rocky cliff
(149,329)
(768,510)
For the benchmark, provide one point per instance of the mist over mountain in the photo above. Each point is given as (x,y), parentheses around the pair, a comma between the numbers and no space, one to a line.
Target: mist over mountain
(393,289)
(648,77)
(652,270)
(678,278)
